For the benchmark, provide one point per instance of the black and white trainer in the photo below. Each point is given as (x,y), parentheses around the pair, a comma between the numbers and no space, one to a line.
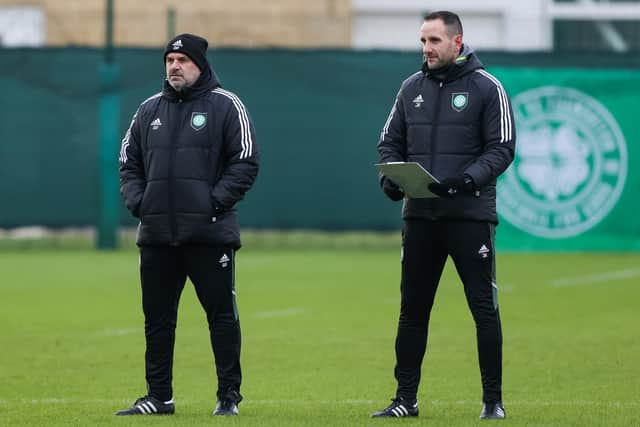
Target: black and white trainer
(399,407)
(492,411)
(148,405)
(228,404)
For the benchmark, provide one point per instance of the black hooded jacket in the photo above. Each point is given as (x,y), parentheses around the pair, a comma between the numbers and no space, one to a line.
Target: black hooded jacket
(453,122)
(187,158)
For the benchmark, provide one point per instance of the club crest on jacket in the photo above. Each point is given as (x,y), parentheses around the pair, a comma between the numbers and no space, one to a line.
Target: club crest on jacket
(198,120)
(459,100)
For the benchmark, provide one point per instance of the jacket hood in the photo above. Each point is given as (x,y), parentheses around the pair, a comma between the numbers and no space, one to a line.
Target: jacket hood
(206,83)
(465,63)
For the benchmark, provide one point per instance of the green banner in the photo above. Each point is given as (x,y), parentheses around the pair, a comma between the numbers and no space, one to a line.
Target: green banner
(318,116)
(570,186)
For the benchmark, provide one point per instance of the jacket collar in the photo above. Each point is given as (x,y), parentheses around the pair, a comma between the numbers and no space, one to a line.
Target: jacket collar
(205,83)
(465,63)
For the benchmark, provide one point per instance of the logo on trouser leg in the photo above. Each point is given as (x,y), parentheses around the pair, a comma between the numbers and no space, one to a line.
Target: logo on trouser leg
(224,260)
(484,251)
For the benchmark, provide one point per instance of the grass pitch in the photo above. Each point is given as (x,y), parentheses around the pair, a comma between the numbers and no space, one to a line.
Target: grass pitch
(318,335)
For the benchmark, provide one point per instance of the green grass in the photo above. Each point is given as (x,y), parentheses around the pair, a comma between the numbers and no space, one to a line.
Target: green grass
(318,333)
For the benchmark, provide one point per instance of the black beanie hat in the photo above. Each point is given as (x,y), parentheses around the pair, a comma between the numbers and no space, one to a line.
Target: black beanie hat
(193,46)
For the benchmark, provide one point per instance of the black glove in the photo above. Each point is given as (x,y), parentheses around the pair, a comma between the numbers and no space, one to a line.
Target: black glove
(392,191)
(451,187)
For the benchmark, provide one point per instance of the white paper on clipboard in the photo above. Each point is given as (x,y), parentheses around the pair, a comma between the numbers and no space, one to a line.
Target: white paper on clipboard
(410,176)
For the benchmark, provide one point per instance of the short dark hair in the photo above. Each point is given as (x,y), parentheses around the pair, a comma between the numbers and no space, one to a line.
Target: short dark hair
(450,19)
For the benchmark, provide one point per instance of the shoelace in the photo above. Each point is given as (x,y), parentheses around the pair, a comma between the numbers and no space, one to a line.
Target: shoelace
(140,400)
(394,402)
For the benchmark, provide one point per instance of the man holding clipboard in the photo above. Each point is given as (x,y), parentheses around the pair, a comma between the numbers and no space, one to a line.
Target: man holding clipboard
(410,177)
(454,121)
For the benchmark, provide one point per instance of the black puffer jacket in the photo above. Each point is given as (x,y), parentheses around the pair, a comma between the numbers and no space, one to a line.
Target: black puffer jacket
(453,124)
(185,161)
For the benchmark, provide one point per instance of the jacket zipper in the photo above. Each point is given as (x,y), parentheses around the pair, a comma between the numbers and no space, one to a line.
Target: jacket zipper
(434,127)
(173,146)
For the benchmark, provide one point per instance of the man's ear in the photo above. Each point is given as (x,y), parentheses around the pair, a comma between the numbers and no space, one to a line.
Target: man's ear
(457,40)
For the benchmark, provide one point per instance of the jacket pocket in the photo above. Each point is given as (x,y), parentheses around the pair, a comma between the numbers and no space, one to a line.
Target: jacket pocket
(143,204)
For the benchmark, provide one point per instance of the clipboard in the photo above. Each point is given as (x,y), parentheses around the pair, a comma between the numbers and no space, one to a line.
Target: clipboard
(410,176)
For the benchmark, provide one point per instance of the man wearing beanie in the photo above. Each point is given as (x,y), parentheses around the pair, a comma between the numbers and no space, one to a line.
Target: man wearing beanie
(187,158)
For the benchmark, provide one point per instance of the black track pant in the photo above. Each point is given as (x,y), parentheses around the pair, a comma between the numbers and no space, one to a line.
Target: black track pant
(426,245)
(163,272)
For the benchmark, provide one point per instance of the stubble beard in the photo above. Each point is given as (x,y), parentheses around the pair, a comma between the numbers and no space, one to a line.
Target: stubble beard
(178,84)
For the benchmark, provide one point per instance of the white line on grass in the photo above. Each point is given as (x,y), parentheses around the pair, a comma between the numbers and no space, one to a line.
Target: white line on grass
(276,402)
(596,278)
(269,402)
(119,332)
(542,403)
(279,313)
(507,288)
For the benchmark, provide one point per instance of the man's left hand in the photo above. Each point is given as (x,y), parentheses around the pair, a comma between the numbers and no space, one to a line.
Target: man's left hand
(451,187)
